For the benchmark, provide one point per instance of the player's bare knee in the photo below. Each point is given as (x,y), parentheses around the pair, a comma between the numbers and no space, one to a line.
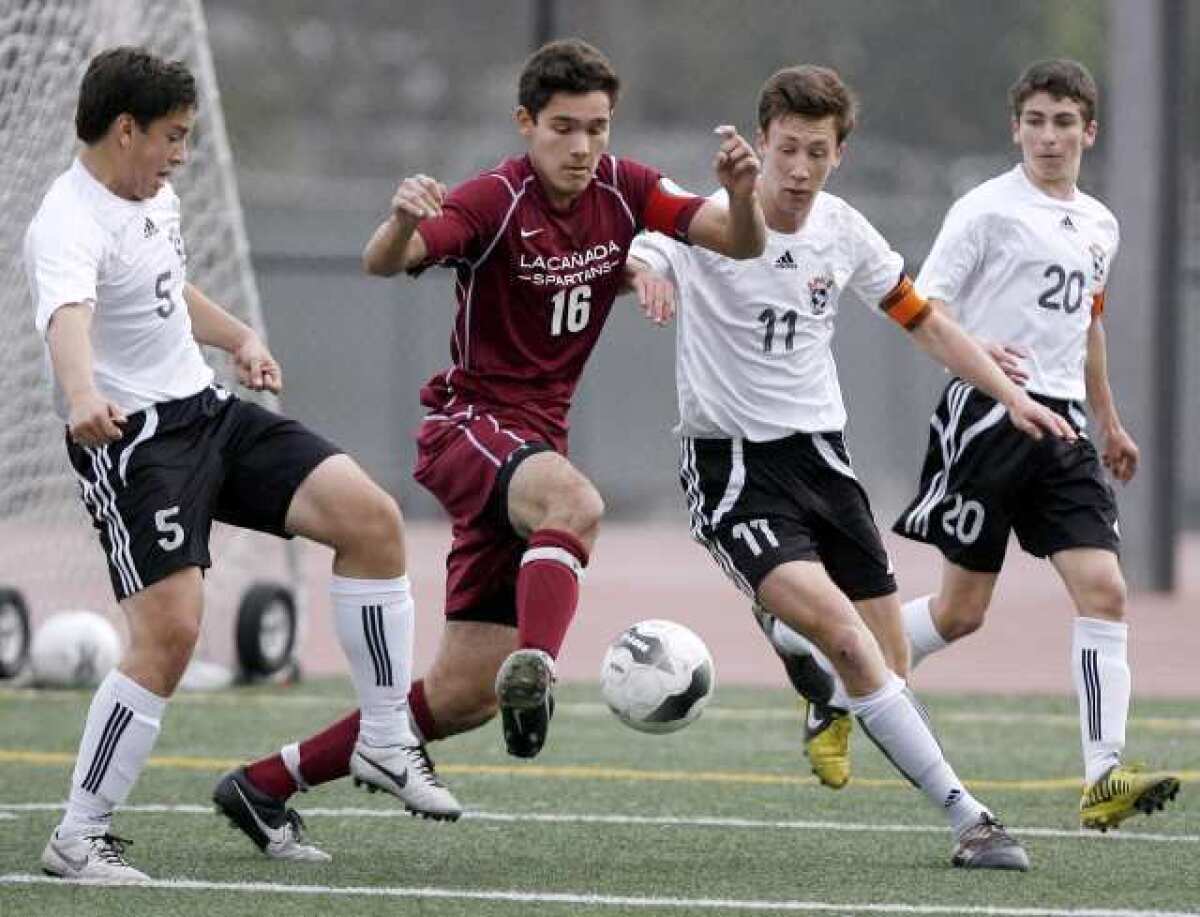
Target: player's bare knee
(961,615)
(848,648)
(1104,597)
(578,509)
(372,533)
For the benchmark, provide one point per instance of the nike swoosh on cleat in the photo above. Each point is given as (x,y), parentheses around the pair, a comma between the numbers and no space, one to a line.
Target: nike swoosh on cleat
(400,780)
(272,834)
(76,865)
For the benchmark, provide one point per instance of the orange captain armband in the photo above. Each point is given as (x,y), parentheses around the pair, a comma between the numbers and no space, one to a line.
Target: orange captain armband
(1098,304)
(904,305)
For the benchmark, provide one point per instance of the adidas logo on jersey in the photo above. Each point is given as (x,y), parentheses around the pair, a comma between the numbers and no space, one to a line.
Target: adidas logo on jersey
(1067,223)
(786,261)
(149,228)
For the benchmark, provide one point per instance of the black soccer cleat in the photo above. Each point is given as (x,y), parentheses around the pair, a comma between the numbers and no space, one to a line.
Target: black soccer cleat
(278,831)
(526,705)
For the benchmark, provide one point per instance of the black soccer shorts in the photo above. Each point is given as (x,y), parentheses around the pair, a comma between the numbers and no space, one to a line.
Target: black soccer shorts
(984,478)
(154,493)
(758,505)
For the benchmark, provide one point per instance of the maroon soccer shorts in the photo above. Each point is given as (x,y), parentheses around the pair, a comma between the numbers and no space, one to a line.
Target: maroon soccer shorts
(461,457)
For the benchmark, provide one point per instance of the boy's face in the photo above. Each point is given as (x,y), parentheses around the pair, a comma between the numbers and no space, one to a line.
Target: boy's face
(1052,135)
(567,139)
(151,155)
(798,154)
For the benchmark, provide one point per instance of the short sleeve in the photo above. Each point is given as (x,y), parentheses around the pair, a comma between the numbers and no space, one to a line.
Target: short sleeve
(956,254)
(62,262)
(877,267)
(472,217)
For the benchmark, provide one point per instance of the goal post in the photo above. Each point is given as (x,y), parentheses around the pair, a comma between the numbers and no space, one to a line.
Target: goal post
(49,553)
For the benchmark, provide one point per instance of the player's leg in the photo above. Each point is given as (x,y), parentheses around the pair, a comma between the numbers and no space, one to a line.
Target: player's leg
(802,594)
(557,510)
(1100,670)
(122,726)
(340,506)
(956,610)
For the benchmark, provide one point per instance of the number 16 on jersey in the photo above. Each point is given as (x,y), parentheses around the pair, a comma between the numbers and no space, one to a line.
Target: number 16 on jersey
(572,309)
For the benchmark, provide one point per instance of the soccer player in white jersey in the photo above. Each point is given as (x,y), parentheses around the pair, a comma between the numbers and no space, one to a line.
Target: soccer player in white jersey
(160,451)
(768,479)
(1022,261)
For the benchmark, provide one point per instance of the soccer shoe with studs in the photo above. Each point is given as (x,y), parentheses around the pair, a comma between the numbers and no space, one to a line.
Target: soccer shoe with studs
(827,744)
(95,858)
(278,831)
(1125,791)
(526,705)
(407,772)
(987,845)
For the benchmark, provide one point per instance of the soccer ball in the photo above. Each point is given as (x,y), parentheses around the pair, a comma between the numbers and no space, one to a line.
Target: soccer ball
(74,649)
(657,676)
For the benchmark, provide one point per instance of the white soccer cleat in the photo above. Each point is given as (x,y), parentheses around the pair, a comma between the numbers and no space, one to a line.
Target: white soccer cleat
(95,858)
(407,772)
(278,831)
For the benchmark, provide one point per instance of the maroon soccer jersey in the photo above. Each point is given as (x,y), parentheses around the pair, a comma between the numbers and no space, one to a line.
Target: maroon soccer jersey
(535,285)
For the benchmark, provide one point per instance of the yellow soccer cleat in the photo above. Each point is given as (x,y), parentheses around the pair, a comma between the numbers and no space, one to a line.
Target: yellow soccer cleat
(827,744)
(1125,791)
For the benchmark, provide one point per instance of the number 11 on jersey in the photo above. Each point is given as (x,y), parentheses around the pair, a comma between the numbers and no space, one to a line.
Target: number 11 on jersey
(574,307)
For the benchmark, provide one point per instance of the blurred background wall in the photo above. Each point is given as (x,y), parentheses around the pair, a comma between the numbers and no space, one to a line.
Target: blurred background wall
(329,104)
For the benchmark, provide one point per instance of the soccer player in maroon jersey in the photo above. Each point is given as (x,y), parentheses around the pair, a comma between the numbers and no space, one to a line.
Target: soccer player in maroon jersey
(538,245)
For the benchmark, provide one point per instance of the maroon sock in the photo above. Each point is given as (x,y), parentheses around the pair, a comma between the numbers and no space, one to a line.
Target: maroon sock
(548,589)
(323,757)
(418,706)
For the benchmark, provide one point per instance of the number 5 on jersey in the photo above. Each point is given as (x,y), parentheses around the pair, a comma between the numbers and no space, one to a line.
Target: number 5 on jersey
(572,308)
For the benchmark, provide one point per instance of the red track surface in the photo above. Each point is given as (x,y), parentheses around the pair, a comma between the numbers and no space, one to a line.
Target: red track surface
(655,570)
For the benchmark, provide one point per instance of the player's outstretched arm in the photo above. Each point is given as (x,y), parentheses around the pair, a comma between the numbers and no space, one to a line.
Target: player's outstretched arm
(212,325)
(396,245)
(92,420)
(1120,453)
(741,230)
(943,339)
(655,293)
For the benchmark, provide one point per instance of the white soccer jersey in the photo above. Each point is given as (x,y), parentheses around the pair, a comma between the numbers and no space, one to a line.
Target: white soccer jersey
(753,337)
(127,258)
(1020,267)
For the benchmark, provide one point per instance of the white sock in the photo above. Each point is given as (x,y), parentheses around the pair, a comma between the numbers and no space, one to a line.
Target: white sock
(892,719)
(374,623)
(122,726)
(923,635)
(792,642)
(290,756)
(1101,672)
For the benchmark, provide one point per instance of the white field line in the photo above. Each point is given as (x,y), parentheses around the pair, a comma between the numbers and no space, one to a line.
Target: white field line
(663,821)
(786,712)
(590,900)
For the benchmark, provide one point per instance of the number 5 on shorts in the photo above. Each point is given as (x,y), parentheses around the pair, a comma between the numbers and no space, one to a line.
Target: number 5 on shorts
(172,530)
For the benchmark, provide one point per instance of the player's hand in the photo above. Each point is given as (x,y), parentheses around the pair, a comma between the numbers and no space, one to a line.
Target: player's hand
(1121,454)
(1009,357)
(417,198)
(256,368)
(94,420)
(655,295)
(1036,420)
(736,164)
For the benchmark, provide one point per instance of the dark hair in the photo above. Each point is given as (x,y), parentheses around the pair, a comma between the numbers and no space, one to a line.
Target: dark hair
(130,81)
(1061,78)
(569,65)
(811,92)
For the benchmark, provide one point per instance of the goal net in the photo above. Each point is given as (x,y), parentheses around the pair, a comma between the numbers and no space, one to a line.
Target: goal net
(48,549)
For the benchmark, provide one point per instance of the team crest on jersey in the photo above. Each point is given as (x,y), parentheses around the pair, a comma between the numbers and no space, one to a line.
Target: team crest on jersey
(819,289)
(1099,262)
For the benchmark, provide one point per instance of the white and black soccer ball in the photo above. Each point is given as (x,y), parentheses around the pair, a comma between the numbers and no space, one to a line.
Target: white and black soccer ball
(74,649)
(657,676)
